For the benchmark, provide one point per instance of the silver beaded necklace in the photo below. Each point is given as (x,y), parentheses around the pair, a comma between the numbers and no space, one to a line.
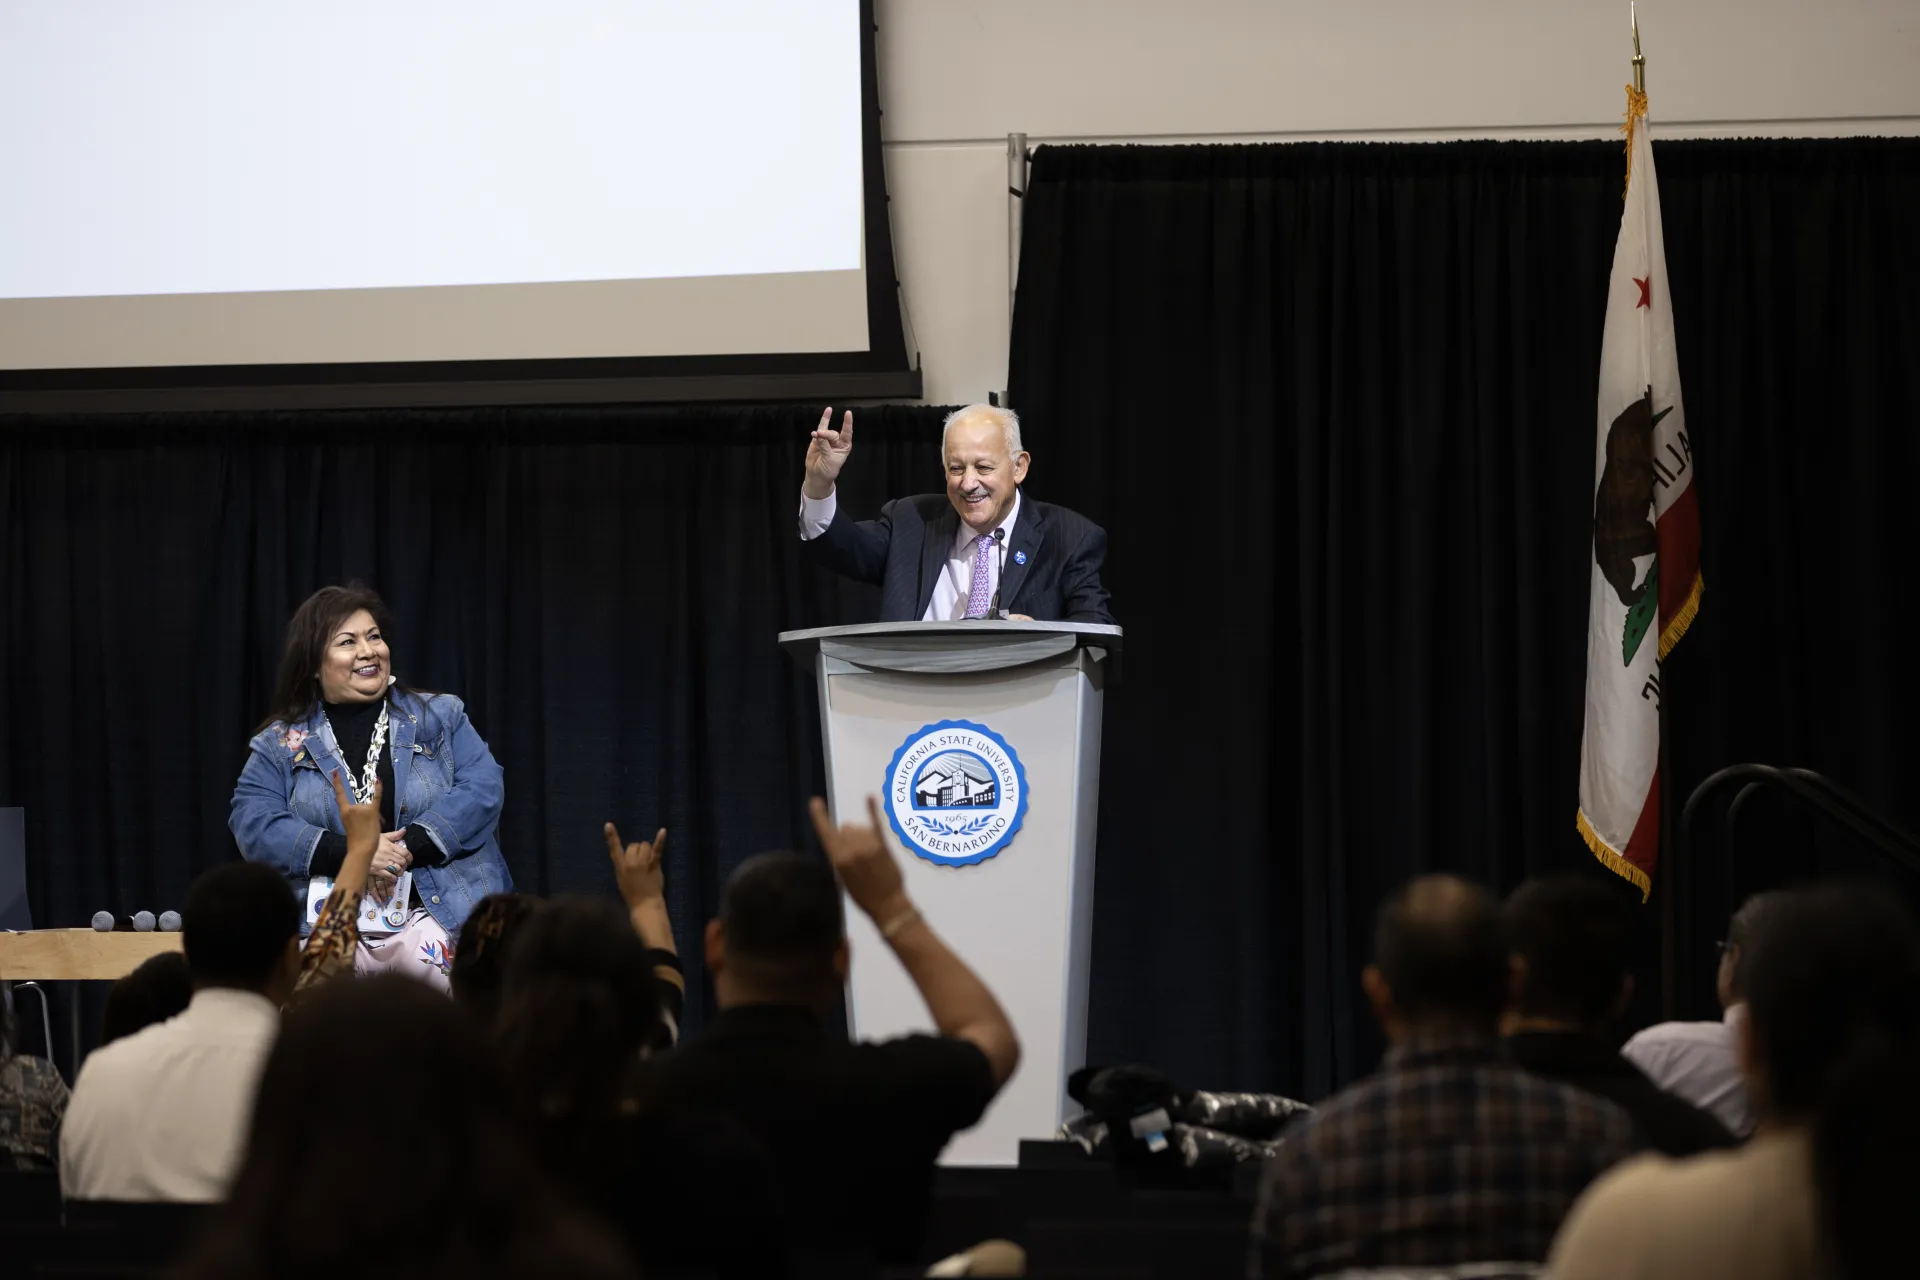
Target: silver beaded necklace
(362,787)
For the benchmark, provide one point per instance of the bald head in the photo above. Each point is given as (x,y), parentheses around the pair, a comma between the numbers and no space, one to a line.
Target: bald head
(1440,957)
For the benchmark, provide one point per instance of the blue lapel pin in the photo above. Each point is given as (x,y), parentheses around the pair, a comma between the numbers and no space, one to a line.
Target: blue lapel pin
(1019,557)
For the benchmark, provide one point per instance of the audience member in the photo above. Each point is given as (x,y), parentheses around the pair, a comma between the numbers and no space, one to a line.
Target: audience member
(581,1010)
(33,1098)
(1829,1050)
(1450,1155)
(159,989)
(480,961)
(1697,1061)
(587,993)
(401,1161)
(853,1129)
(160,1114)
(1571,937)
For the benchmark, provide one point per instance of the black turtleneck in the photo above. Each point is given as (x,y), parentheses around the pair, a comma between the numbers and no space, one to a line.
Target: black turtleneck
(353,730)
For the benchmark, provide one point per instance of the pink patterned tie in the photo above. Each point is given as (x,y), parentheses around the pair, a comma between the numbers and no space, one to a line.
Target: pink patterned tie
(981,591)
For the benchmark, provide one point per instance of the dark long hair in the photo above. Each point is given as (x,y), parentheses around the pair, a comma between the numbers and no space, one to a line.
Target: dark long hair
(458,1195)
(480,961)
(1833,996)
(297,690)
(578,1007)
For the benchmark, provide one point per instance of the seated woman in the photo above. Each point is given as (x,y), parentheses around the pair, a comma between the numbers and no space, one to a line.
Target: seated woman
(337,707)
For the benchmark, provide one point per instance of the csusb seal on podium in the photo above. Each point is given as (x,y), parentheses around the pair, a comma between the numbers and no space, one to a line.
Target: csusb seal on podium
(956,793)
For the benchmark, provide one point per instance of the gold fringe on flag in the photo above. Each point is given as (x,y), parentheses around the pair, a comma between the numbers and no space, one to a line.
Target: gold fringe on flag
(1609,858)
(1682,618)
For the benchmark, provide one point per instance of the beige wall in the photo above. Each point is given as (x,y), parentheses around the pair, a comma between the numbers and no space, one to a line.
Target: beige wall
(956,76)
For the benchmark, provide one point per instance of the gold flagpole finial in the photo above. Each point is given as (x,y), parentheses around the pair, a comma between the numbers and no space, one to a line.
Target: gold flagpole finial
(1639,60)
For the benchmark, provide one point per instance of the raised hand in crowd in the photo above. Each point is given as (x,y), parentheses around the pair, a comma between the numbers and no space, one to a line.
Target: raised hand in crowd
(865,865)
(329,950)
(362,825)
(643,885)
(960,1003)
(827,452)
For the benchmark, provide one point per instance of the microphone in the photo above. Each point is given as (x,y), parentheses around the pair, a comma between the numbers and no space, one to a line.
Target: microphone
(138,922)
(169,922)
(1000,547)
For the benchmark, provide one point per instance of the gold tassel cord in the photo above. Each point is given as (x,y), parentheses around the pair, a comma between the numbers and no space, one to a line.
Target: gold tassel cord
(1610,859)
(1682,617)
(1636,112)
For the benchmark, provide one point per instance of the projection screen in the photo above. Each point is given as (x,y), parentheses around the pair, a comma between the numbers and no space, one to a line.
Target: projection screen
(405,194)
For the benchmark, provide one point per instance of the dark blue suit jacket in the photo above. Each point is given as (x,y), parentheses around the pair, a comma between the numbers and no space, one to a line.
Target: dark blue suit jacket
(905,550)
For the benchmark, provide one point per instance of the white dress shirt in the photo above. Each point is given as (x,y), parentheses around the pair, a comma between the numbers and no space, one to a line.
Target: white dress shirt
(1700,1062)
(955,584)
(163,1113)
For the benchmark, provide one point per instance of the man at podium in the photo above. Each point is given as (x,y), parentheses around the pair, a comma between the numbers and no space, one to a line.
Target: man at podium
(978,551)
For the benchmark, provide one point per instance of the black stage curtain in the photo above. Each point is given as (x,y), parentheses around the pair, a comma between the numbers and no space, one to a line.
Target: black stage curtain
(603,587)
(1335,406)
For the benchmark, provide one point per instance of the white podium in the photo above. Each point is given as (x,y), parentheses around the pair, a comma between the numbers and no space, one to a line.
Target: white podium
(982,741)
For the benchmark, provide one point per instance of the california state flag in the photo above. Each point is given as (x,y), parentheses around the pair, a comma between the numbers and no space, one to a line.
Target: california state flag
(1646,534)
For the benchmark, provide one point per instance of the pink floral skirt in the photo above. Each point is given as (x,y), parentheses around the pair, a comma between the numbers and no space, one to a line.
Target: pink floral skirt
(421,949)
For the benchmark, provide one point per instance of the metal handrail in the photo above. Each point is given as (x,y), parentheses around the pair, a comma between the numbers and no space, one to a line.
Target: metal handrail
(1817,792)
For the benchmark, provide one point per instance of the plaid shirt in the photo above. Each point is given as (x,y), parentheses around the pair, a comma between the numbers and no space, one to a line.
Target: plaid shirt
(1451,1154)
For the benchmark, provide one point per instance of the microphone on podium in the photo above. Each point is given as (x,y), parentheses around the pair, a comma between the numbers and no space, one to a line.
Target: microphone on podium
(1000,548)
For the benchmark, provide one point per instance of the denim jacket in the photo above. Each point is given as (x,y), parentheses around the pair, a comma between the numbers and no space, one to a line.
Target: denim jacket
(444,779)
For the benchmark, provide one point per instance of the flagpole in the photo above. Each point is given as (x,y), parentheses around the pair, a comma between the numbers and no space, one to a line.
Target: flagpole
(1669,866)
(1639,61)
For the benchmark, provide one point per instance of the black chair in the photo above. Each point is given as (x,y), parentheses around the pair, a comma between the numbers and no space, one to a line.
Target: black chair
(37,1252)
(815,1264)
(1166,1250)
(153,1233)
(1070,1193)
(29,1197)
(1037,1153)
(960,1217)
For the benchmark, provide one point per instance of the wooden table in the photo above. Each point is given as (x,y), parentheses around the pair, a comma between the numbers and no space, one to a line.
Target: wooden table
(77,955)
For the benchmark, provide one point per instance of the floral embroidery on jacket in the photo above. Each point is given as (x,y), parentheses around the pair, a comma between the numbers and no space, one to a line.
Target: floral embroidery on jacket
(294,738)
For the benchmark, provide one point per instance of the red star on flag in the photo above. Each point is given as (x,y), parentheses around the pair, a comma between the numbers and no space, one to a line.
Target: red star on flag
(1646,291)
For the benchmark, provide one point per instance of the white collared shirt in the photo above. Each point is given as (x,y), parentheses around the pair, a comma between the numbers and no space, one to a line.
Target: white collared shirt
(163,1114)
(1699,1062)
(955,584)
